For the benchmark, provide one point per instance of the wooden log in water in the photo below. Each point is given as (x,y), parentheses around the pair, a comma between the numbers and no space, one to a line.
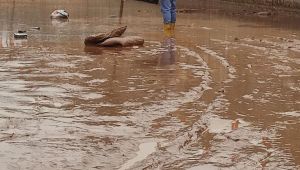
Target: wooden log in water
(123,41)
(99,38)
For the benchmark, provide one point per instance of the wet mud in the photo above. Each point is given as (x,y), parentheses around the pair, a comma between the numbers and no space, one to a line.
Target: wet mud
(222,94)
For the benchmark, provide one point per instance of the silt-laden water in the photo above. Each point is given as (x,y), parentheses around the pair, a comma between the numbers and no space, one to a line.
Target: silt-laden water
(167,105)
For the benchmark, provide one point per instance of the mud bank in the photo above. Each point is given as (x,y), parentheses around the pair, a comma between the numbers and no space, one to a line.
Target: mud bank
(282,3)
(245,6)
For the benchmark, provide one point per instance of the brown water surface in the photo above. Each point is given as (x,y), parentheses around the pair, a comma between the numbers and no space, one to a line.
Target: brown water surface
(167,105)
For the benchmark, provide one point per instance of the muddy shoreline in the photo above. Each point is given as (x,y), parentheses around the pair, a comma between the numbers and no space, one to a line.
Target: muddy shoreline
(240,8)
(267,16)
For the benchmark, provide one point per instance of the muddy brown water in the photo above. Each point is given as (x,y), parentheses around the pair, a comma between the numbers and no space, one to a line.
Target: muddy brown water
(167,105)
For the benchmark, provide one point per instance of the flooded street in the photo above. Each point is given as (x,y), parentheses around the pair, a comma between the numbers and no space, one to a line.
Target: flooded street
(223,94)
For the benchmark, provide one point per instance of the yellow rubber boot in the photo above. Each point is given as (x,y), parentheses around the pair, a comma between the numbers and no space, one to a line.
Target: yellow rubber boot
(167,30)
(173,26)
(172,29)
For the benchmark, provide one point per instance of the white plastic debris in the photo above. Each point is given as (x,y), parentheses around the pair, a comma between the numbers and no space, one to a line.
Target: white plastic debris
(59,14)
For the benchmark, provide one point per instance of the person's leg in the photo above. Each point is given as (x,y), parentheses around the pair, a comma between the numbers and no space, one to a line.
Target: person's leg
(173,15)
(173,11)
(166,10)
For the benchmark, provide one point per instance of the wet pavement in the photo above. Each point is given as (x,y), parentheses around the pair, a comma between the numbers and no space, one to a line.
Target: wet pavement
(171,104)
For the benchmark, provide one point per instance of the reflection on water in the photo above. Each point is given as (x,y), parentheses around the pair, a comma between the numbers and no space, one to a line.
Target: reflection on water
(168,104)
(5,39)
(168,57)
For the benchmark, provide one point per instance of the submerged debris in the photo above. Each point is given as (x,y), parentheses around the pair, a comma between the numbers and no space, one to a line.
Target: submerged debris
(59,14)
(235,124)
(35,28)
(99,38)
(113,38)
(264,13)
(21,31)
(123,41)
(221,90)
(20,35)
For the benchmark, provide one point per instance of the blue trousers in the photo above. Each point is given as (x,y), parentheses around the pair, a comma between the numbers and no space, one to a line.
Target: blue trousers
(168,9)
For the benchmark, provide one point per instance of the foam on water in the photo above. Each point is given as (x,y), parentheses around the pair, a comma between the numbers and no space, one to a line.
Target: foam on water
(145,149)
(291,114)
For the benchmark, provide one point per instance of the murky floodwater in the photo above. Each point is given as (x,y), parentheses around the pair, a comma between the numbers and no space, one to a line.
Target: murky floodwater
(167,105)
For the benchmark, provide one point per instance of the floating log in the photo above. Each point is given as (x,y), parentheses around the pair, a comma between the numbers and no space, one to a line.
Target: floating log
(97,39)
(123,41)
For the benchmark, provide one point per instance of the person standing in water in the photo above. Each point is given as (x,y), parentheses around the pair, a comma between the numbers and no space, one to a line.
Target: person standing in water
(168,9)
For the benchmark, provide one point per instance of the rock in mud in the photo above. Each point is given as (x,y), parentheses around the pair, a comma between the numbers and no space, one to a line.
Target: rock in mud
(97,39)
(123,41)
(59,14)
